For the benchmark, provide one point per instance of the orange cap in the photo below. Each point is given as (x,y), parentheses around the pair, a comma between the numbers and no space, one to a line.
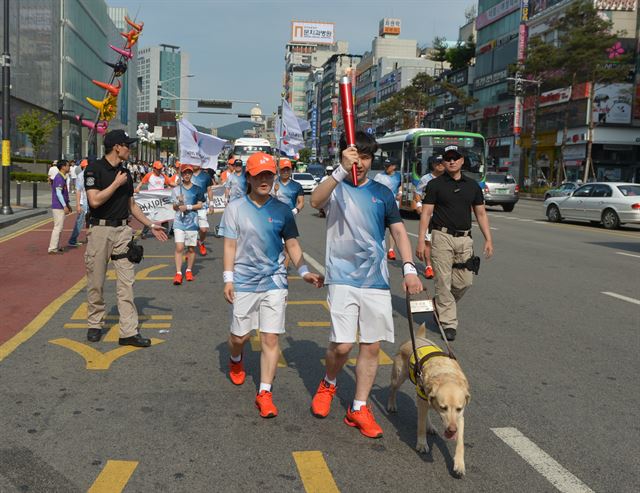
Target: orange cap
(185,167)
(158,165)
(259,162)
(84,163)
(285,163)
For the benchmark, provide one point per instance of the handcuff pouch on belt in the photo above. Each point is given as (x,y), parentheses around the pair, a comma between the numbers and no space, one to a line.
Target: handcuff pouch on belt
(134,253)
(472,264)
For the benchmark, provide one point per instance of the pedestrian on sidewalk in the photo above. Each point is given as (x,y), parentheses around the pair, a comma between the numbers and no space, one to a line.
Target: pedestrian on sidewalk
(109,189)
(187,199)
(450,199)
(60,205)
(82,207)
(257,229)
(358,276)
(53,171)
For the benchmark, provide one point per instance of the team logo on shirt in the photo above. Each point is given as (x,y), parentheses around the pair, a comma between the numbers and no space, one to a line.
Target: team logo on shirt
(91,181)
(374,199)
(270,219)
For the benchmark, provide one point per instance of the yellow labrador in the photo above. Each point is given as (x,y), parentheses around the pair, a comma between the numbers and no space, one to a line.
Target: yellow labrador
(441,386)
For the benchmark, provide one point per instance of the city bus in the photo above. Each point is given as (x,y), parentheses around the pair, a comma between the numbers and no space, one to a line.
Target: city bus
(415,149)
(244,147)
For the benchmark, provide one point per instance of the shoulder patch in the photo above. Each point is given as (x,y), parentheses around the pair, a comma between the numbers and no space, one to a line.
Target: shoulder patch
(90,181)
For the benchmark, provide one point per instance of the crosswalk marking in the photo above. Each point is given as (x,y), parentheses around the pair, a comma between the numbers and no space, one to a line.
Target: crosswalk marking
(314,472)
(114,476)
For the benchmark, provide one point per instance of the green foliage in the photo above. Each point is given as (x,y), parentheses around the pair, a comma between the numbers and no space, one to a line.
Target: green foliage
(19,176)
(439,50)
(28,160)
(305,155)
(38,126)
(462,54)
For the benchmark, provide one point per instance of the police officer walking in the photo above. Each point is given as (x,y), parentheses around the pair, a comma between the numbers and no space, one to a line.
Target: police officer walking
(450,199)
(109,189)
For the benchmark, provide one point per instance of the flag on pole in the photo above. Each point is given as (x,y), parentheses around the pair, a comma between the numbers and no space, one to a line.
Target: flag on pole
(198,148)
(289,130)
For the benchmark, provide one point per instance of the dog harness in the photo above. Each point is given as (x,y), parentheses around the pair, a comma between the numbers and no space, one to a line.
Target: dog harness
(425,353)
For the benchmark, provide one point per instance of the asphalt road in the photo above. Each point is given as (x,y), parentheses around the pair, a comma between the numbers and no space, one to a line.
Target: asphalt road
(552,362)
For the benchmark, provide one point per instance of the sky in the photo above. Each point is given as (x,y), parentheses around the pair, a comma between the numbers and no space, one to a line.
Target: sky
(236,47)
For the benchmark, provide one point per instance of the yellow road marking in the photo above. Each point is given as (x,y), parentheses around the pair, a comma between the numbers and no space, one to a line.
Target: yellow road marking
(314,472)
(256,346)
(114,476)
(383,359)
(159,256)
(41,319)
(80,313)
(294,278)
(144,325)
(310,302)
(95,359)
(25,230)
(143,275)
(314,324)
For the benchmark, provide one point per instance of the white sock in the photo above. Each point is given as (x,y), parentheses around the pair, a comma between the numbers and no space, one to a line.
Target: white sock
(328,380)
(236,359)
(264,386)
(188,270)
(391,249)
(358,404)
(179,272)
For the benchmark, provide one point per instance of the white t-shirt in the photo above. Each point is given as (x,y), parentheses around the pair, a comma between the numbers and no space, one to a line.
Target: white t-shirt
(72,172)
(53,171)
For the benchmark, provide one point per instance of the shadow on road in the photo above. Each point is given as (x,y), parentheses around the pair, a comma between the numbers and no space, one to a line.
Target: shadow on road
(618,245)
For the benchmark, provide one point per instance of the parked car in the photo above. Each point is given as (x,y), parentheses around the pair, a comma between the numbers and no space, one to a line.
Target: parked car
(317,170)
(307,181)
(563,190)
(609,203)
(501,189)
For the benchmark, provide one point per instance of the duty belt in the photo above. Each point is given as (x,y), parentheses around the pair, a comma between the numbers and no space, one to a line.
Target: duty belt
(453,232)
(108,222)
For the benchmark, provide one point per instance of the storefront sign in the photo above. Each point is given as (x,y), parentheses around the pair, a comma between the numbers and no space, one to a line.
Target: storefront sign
(497,12)
(522,43)
(524,10)
(612,103)
(487,47)
(312,32)
(489,80)
(576,152)
(555,97)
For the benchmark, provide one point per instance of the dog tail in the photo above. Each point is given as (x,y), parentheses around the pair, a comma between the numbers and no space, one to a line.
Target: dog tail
(422,331)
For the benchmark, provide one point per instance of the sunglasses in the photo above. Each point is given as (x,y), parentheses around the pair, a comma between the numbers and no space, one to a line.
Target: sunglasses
(449,159)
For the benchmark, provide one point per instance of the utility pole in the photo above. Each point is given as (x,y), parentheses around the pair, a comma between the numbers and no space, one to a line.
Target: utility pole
(6,115)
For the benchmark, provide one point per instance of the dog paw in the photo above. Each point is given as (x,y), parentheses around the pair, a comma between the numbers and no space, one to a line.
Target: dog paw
(392,408)
(458,467)
(422,447)
(431,430)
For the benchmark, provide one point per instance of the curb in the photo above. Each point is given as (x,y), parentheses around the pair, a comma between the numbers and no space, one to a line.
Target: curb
(20,215)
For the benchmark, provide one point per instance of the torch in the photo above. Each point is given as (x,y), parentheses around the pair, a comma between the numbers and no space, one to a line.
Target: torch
(346,97)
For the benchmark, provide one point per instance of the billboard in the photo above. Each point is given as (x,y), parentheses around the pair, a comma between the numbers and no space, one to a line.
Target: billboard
(497,12)
(389,26)
(612,103)
(312,32)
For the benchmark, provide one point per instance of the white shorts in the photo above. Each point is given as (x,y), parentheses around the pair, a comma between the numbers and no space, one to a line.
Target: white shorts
(264,311)
(189,238)
(203,220)
(360,309)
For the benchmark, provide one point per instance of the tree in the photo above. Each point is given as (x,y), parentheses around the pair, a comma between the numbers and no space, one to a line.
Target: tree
(305,155)
(583,55)
(462,54)
(439,51)
(38,126)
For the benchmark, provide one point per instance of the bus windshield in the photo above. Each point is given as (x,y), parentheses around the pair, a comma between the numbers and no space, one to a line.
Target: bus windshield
(429,148)
(247,150)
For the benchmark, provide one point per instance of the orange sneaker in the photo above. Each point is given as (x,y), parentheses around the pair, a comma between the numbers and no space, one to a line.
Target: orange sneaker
(364,421)
(188,275)
(236,372)
(428,272)
(391,255)
(264,403)
(177,279)
(203,249)
(321,403)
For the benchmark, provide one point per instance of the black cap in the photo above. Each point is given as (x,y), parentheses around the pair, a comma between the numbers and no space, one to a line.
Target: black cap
(237,162)
(115,137)
(452,150)
(388,162)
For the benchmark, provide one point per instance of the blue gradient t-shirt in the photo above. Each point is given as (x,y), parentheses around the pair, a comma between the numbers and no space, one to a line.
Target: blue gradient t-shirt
(237,186)
(203,180)
(392,182)
(187,221)
(259,231)
(288,193)
(356,221)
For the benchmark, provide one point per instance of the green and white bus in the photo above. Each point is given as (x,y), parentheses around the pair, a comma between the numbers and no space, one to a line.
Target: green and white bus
(414,150)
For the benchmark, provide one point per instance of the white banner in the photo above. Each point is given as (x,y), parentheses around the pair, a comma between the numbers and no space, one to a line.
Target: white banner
(156,205)
(312,32)
(198,148)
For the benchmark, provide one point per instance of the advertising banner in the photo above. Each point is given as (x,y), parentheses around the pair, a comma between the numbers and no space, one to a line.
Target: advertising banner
(156,205)
(312,32)
(497,12)
(612,103)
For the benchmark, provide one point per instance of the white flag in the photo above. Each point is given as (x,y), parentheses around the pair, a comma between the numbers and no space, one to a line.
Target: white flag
(198,148)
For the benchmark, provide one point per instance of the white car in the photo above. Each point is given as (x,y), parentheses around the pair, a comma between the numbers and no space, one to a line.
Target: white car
(307,181)
(609,203)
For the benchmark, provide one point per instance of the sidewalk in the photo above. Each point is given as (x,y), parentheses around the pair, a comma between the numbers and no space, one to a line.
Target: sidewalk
(25,210)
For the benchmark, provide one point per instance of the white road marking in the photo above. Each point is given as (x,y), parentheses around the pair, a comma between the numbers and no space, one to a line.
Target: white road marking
(621,297)
(412,234)
(526,220)
(314,263)
(628,254)
(542,462)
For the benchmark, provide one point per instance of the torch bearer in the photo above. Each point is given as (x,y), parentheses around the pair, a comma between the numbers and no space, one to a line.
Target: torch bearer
(346,97)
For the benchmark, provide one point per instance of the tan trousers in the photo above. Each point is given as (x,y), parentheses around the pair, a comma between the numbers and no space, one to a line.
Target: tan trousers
(103,242)
(451,284)
(58,224)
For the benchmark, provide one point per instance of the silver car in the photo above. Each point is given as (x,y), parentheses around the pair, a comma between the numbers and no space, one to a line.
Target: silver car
(501,189)
(563,190)
(307,181)
(609,203)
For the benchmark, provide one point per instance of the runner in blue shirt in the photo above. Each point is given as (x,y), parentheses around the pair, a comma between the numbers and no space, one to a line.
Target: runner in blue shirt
(202,179)
(392,180)
(357,275)
(187,200)
(236,184)
(286,190)
(255,276)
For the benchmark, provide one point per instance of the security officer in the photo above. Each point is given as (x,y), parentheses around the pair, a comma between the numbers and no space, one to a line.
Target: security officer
(109,189)
(450,198)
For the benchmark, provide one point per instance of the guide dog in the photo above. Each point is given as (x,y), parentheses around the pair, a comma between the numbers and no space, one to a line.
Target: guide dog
(441,385)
